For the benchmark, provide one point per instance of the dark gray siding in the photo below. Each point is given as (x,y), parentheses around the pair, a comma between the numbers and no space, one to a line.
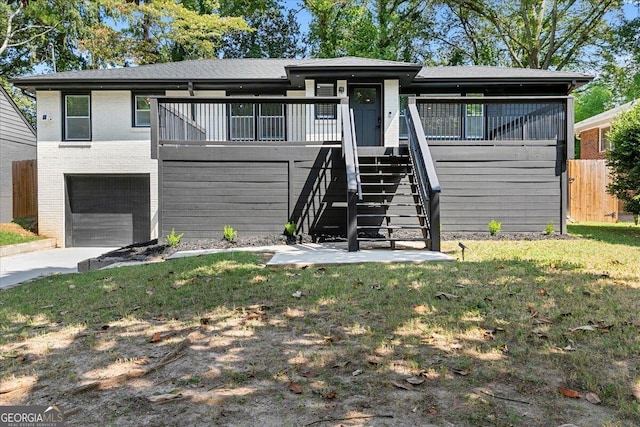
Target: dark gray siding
(514,182)
(17,142)
(254,189)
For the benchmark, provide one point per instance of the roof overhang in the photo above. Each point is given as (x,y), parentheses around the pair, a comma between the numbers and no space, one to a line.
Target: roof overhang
(406,73)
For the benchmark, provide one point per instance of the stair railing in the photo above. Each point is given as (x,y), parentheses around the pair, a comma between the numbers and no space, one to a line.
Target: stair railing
(425,170)
(354,186)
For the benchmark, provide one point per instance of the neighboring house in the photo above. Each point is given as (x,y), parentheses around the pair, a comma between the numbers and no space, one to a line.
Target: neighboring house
(17,142)
(129,154)
(588,190)
(592,132)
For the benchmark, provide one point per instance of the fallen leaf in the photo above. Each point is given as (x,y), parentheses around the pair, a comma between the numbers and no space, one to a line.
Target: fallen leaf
(306,373)
(542,292)
(142,361)
(331,395)
(294,388)
(374,360)
(460,372)
(414,380)
(420,309)
(297,294)
(567,392)
(569,347)
(376,287)
(432,411)
(332,338)
(583,328)
(21,359)
(356,372)
(104,327)
(402,385)
(159,398)
(156,337)
(204,320)
(540,333)
(72,286)
(341,364)
(592,398)
(586,293)
(445,295)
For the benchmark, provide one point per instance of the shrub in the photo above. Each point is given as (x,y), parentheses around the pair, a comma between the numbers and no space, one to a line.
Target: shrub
(229,233)
(290,228)
(549,228)
(173,239)
(623,159)
(494,227)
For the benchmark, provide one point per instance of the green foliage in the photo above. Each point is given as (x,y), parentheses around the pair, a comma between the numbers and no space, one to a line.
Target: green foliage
(290,228)
(624,158)
(594,99)
(173,239)
(525,34)
(29,223)
(494,227)
(229,233)
(275,32)
(548,230)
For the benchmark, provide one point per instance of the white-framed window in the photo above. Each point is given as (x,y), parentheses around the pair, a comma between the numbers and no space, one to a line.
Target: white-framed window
(77,117)
(326,111)
(604,144)
(141,110)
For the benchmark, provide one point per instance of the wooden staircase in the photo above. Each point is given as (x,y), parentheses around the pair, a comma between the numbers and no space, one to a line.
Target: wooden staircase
(392,208)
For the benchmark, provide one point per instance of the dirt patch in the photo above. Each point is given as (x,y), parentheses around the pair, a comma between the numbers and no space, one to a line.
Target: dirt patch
(11,227)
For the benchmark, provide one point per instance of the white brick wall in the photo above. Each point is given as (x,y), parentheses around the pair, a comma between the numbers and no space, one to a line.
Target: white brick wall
(391,113)
(117,148)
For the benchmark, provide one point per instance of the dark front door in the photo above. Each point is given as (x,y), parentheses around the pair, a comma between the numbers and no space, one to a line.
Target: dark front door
(365,102)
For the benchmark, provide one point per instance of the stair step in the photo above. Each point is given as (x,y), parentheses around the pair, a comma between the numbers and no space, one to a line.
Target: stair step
(389,194)
(390,227)
(381,204)
(385,215)
(396,184)
(386,239)
(385,174)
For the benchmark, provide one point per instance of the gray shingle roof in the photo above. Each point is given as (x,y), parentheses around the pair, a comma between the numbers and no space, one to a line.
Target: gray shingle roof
(212,70)
(478,72)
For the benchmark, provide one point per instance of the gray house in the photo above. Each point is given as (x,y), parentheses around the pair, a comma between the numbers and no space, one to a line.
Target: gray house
(17,142)
(363,148)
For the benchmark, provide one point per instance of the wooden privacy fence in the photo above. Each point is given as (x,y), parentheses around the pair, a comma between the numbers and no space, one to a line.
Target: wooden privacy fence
(25,188)
(588,197)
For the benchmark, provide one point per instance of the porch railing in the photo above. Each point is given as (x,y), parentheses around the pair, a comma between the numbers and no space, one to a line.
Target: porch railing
(245,120)
(493,118)
(427,179)
(354,186)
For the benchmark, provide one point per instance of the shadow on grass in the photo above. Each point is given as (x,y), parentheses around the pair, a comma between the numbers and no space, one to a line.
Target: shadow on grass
(504,327)
(619,234)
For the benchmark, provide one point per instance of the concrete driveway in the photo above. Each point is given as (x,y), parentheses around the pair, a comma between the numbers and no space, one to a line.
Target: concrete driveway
(18,269)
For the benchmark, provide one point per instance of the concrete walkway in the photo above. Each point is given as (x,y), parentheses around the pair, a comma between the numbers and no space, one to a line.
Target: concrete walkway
(17,269)
(312,254)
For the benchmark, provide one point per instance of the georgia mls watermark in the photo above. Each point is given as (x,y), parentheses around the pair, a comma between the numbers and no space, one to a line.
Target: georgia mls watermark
(31,416)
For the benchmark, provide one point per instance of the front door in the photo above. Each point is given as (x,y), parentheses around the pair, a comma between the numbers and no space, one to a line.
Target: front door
(365,102)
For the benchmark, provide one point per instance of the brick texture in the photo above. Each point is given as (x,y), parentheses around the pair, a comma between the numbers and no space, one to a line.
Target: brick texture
(590,145)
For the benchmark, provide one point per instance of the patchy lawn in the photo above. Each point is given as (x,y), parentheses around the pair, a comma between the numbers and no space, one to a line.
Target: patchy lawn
(220,340)
(11,234)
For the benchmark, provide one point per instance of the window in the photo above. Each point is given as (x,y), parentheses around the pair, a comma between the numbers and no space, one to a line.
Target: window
(474,126)
(605,144)
(141,111)
(326,111)
(77,117)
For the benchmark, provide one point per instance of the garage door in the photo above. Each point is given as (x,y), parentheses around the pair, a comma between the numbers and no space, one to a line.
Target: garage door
(107,210)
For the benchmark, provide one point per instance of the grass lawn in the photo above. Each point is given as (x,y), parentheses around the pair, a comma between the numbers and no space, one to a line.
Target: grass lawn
(224,341)
(11,234)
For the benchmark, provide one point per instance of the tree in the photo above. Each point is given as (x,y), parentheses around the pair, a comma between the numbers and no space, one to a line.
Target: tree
(383,29)
(624,159)
(275,32)
(545,34)
(149,31)
(596,98)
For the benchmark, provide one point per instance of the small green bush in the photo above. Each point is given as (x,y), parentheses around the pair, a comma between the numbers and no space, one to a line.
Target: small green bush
(173,239)
(290,228)
(229,233)
(494,227)
(548,230)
